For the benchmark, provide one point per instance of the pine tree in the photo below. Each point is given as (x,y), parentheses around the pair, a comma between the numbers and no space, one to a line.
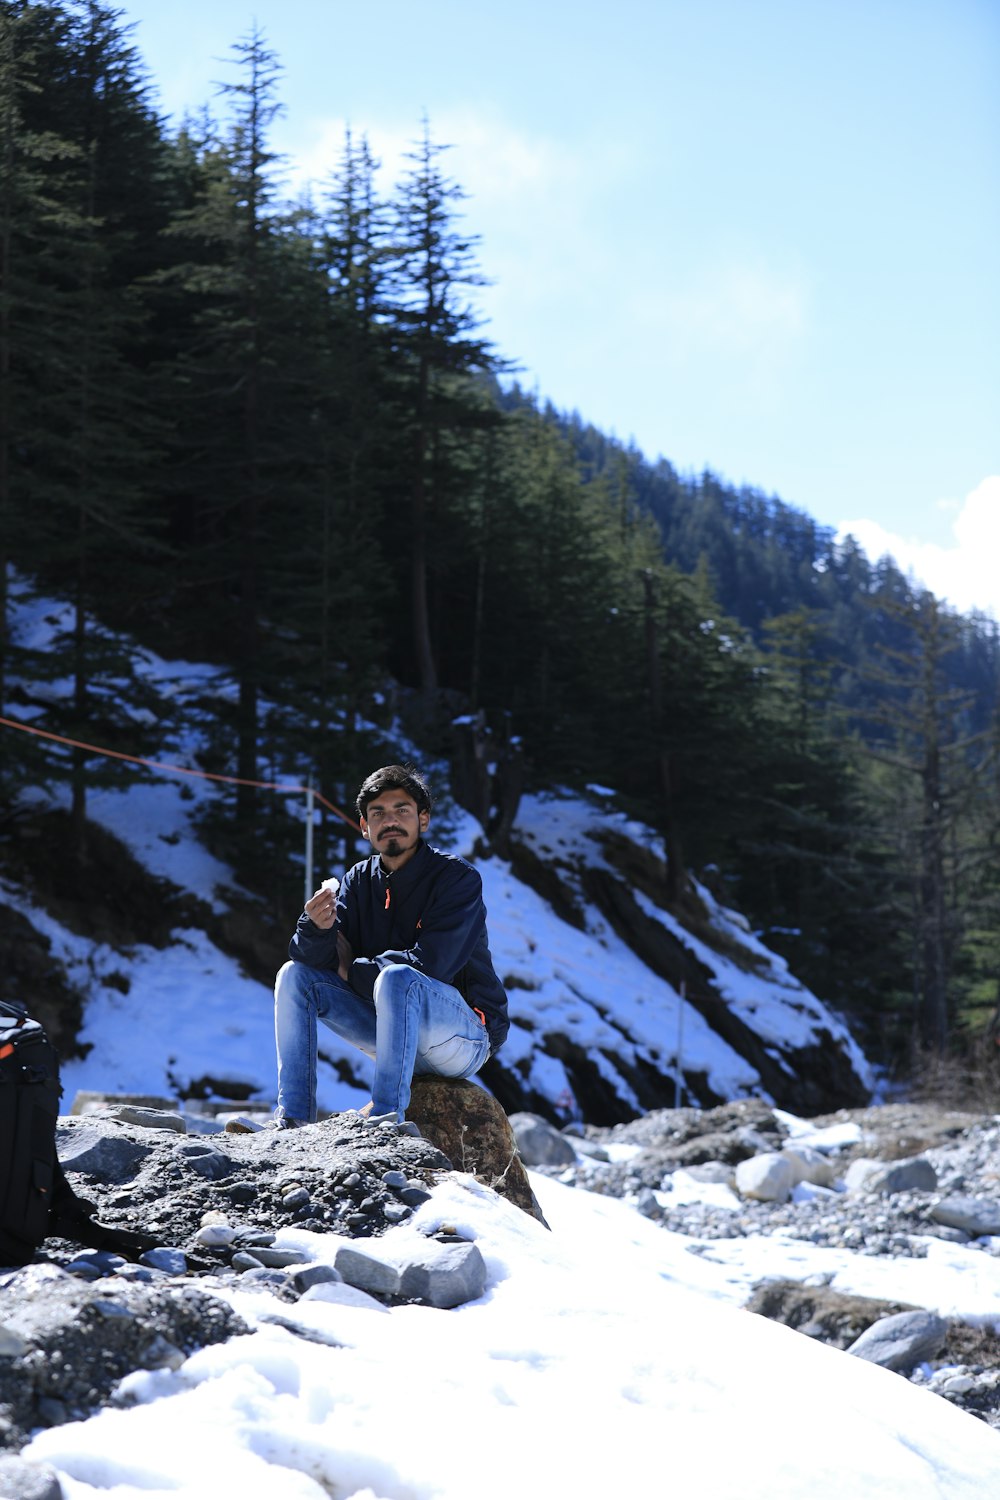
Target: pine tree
(237,296)
(926,762)
(437,351)
(74,325)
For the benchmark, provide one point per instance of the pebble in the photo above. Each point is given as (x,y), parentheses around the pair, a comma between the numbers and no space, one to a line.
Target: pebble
(166,1258)
(217,1235)
(244,1261)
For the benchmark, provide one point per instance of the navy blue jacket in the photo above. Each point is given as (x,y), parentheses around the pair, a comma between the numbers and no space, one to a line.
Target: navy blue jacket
(428,914)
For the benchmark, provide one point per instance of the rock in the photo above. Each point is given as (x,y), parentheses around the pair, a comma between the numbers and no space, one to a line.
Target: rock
(244,1261)
(540,1144)
(218,1235)
(278,1260)
(835,1318)
(586,1147)
(11,1344)
(470,1127)
(809,1165)
(91,1149)
(902,1341)
(445,1276)
(974,1216)
(712,1171)
(21,1480)
(165,1258)
(366,1272)
(81,1340)
(860,1172)
(204,1159)
(148,1119)
(341,1292)
(913,1176)
(317,1274)
(769,1177)
(88,1102)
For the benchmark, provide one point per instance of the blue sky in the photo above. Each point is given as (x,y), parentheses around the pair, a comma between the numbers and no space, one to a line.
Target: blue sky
(757,235)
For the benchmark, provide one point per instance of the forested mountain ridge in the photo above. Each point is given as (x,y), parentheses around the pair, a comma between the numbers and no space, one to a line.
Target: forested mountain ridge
(272,436)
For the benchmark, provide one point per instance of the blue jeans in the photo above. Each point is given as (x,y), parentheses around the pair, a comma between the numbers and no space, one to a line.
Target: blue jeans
(416,1025)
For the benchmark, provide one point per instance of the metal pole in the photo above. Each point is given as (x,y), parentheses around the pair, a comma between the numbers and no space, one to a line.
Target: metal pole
(680,1045)
(309,840)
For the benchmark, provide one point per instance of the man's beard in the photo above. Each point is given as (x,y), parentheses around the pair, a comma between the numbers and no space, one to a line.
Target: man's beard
(393,847)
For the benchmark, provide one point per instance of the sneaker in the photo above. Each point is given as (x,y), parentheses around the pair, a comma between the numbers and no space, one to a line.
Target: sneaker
(242,1125)
(403,1127)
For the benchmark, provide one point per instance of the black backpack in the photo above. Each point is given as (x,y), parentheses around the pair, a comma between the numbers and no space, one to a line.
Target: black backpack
(35,1198)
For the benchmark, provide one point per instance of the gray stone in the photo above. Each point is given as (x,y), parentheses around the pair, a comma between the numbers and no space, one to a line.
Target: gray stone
(769,1177)
(860,1172)
(974,1216)
(445,1275)
(414,1196)
(366,1272)
(148,1119)
(265,1276)
(21,1480)
(902,1341)
(540,1144)
(809,1165)
(89,1101)
(11,1344)
(647,1203)
(317,1274)
(165,1258)
(711,1171)
(244,1261)
(346,1296)
(206,1160)
(278,1259)
(913,1176)
(91,1149)
(586,1147)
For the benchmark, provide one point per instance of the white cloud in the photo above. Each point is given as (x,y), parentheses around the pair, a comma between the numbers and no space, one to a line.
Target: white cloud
(964,573)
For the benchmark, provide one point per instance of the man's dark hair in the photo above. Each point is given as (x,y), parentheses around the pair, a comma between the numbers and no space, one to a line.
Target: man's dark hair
(393,779)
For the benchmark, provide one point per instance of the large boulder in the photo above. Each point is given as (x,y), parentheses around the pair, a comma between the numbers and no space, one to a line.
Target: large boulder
(902,1341)
(540,1144)
(469,1126)
(769,1177)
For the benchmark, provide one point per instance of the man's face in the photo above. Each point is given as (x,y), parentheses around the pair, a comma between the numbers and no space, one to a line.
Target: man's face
(393,825)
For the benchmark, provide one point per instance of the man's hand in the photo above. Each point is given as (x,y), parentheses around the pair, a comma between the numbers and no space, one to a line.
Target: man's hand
(322,908)
(345,957)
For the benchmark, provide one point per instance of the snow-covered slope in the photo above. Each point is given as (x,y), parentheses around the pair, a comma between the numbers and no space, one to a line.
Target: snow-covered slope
(617,1005)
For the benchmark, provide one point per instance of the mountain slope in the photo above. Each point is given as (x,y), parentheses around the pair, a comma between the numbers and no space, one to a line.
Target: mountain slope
(618,1005)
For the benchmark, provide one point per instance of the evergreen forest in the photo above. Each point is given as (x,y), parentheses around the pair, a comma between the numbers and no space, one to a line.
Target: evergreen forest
(274,435)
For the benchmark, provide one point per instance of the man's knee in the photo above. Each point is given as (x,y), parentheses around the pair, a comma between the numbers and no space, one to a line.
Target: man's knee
(288,982)
(394,983)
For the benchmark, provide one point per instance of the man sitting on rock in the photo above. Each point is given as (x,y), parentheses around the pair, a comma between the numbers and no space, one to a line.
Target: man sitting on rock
(396,961)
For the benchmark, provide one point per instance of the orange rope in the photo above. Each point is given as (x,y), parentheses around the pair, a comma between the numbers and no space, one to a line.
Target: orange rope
(159,765)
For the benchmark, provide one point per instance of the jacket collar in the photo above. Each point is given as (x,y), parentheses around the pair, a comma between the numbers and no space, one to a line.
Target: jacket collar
(408,874)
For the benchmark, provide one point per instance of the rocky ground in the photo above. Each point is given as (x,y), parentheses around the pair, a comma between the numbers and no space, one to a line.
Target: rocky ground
(76,1320)
(953,1156)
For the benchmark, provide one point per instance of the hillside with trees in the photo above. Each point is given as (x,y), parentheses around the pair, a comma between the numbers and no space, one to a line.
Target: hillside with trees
(275,436)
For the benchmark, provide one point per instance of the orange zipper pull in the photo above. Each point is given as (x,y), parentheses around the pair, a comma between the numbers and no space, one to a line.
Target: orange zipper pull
(388,895)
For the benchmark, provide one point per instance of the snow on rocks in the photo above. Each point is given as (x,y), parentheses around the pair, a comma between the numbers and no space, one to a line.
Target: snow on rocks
(816,1189)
